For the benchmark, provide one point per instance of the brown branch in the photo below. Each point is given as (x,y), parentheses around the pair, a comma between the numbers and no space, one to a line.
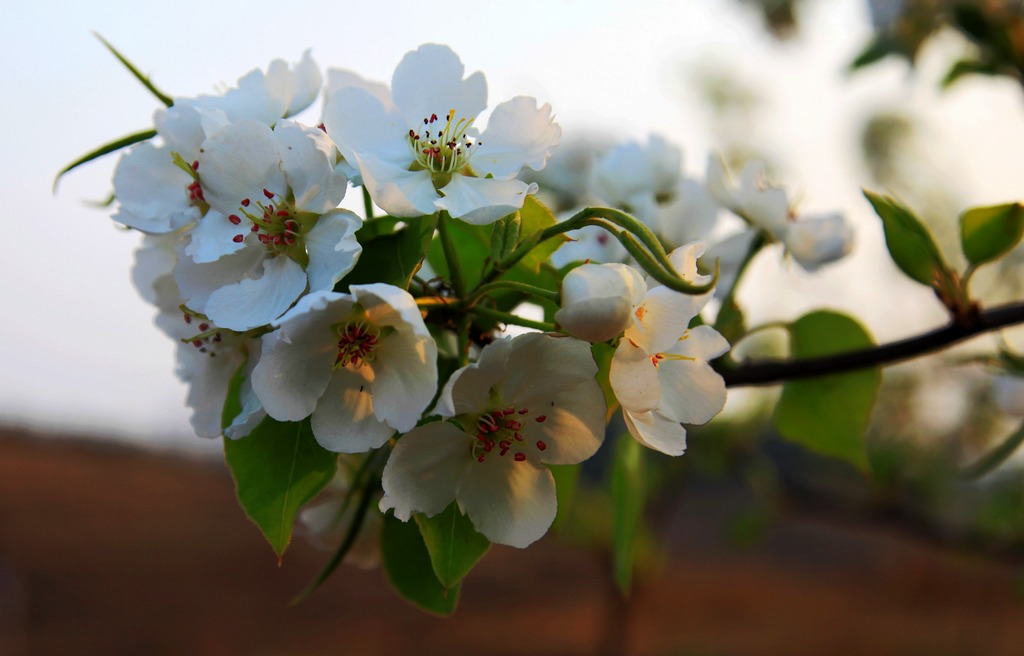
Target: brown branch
(770,372)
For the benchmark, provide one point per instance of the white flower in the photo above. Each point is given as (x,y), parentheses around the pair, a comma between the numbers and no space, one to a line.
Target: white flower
(526,402)
(598,300)
(638,177)
(209,357)
(817,240)
(421,152)
(272,232)
(690,214)
(362,364)
(660,372)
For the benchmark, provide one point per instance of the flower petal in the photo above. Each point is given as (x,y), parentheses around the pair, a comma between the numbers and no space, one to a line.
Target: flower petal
(239,162)
(197,282)
(397,191)
(662,319)
(634,378)
(213,238)
(480,201)
(518,134)
(656,431)
(691,391)
(509,502)
(333,249)
(151,191)
(469,388)
(309,158)
(541,366)
(255,302)
(425,470)
(701,342)
(344,419)
(573,426)
(338,79)
(360,125)
(429,80)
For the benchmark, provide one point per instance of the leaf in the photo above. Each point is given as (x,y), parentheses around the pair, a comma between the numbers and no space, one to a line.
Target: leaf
(880,48)
(628,497)
(910,243)
(968,67)
(409,569)
(536,217)
(603,354)
(277,469)
(730,321)
(392,258)
(567,478)
(454,545)
(988,233)
(505,235)
(830,414)
(146,82)
(105,149)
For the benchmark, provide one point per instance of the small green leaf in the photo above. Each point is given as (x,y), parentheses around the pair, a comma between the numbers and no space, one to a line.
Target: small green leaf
(988,233)
(629,495)
(910,243)
(536,217)
(730,321)
(505,235)
(161,96)
(410,571)
(233,401)
(567,478)
(830,414)
(603,354)
(390,257)
(105,149)
(881,47)
(968,67)
(454,545)
(277,469)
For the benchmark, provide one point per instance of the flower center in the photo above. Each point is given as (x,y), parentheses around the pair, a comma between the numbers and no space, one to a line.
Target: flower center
(443,149)
(276,223)
(501,432)
(207,340)
(357,342)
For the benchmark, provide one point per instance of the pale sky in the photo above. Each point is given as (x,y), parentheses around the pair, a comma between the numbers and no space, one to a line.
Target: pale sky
(78,347)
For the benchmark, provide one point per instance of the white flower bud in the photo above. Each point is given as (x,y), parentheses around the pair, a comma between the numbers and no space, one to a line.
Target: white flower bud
(818,240)
(598,300)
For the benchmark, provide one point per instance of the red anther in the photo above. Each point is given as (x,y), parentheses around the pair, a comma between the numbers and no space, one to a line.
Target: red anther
(488,445)
(503,451)
(412,134)
(481,437)
(188,318)
(520,456)
(195,165)
(433,117)
(234,218)
(541,445)
(541,419)
(269,194)
(203,327)
(282,212)
(519,438)
(524,411)
(322,127)
(289,241)
(245,202)
(238,239)
(504,444)
(512,424)
(197,343)
(217,338)
(264,238)
(508,411)
(479,458)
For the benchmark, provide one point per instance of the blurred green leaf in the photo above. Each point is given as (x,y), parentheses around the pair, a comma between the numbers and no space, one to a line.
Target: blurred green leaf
(505,235)
(830,414)
(567,479)
(910,243)
(536,217)
(880,47)
(454,545)
(410,571)
(603,354)
(277,469)
(988,233)
(730,321)
(146,82)
(968,67)
(105,149)
(629,494)
(390,257)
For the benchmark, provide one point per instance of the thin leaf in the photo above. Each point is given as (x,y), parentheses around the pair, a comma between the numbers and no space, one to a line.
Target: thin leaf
(146,82)
(454,545)
(106,149)
(629,496)
(409,569)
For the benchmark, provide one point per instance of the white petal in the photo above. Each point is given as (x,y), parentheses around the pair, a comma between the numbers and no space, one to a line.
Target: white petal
(238,163)
(198,281)
(338,79)
(480,201)
(360,125)
(181,128)
(598,300)
(684,261)
(518,134)
(254,302)
(701,342)
(662,319)
(406,380)
(634,378)
(344,419)
(298,358)
(690,215)
(208,379)
(817,240)
(469,388)
(309,158)
(656,432)
(541,366)
(595,319)
(252,412)
(509,502)
(573,426)
(154,260)
(425,469)
(151,191)
(306,80)
(429,80)
(691,391)
(397,191)
(333,249)
(214,236)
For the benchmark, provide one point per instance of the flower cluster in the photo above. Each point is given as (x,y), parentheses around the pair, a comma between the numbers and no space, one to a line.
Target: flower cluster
(287,311)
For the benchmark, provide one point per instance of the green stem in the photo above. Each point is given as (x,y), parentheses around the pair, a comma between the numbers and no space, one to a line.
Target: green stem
(463,339)
(483,290)
(508,317)
(367,204)
(995,457)
(760,241)
(454,269)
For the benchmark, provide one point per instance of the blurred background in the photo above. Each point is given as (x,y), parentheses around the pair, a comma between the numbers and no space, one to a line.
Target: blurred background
(118,527)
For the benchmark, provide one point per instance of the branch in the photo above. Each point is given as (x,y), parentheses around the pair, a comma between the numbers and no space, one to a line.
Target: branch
(769,372)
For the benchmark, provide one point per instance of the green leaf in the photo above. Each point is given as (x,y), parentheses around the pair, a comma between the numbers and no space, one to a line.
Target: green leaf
(277,469)
(390,257)
(105,149)
(454,545)
(603,354)
(730,321)
(567,478)
(536,217)
(161,96)
(880,48)
(968,67)
(629,495)
(830,414)
(988,233)
(505,235)
(910,243)
(410,571)
(233,401)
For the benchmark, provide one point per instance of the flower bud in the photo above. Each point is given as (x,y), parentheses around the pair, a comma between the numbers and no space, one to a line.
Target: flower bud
(818,240)
(598,300)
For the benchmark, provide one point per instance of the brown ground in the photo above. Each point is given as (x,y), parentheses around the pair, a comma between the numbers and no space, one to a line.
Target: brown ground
(112,550)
